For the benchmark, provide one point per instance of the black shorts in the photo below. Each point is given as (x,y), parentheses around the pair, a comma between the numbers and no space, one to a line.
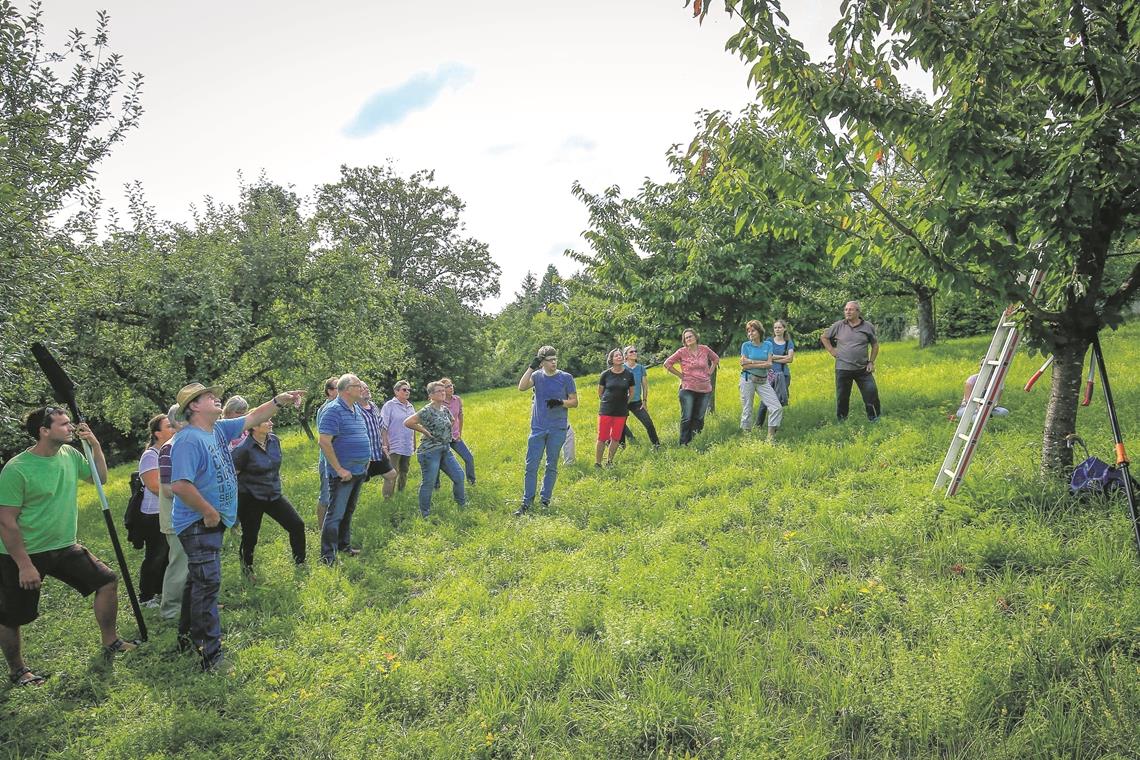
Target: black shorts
(73,565)
(379,467)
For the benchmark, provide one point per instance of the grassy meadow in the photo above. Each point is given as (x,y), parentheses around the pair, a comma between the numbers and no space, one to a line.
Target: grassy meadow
(809,599)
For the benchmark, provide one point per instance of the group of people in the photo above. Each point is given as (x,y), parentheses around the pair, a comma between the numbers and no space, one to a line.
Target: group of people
(210,466)
(623,389)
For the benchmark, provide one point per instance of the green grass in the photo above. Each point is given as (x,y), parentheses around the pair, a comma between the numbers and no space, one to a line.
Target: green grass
(811,599)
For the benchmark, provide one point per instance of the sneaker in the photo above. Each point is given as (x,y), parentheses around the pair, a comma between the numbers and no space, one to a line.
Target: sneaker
(597,465)
(546,503)
(150,604)
(220,666)
(657,447)
(522,510)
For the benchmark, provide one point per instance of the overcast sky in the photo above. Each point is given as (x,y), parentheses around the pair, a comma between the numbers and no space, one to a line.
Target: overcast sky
(508,102)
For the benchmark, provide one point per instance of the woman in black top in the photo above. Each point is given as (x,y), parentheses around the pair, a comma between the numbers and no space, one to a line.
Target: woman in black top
(615,389)
(257,460)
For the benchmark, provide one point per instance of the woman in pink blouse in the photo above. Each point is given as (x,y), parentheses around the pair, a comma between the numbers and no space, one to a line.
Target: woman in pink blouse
(697,362)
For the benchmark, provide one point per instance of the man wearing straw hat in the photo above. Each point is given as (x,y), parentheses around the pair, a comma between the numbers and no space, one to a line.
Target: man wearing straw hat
(205,504)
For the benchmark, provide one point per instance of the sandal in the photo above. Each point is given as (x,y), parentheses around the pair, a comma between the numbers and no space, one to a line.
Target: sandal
(120,645)
(18,678)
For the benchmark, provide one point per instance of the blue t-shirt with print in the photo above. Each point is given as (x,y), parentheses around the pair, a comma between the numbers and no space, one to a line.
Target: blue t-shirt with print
(560,386)
(638,372)
(350,437)
(775,350)
(760,353)
(203,458)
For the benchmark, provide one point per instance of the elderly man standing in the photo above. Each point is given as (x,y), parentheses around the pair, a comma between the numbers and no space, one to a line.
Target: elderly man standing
(344,442)
(205,504)
(848,340)
(379,463)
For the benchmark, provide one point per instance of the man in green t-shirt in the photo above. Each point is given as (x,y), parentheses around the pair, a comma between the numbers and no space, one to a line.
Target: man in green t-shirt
(39,515)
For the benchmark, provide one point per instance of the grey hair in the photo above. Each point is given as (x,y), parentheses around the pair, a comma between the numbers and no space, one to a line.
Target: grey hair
(235,406)
(345,381)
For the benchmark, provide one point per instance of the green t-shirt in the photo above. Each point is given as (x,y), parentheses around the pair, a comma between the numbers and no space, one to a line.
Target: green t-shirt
(44,489)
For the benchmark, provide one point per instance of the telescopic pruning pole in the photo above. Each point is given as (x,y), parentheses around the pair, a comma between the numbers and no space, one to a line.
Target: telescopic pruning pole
(1121,456)
(64,390)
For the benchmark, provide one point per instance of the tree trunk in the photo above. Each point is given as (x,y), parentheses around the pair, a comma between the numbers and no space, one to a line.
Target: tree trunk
(1061,414)
(927,331)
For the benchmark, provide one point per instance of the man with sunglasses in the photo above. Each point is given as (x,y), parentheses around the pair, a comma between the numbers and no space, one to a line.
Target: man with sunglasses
(39,515)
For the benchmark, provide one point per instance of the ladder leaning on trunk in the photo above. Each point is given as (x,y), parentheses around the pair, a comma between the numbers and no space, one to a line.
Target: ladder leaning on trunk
(983,398)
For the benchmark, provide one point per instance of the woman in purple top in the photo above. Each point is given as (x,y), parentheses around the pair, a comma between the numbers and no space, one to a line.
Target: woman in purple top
(397,441)
(698,362)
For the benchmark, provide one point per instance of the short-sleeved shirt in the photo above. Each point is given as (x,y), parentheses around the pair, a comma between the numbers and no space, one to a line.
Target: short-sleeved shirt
(202,457)
(851,343)
(320,415)
(455,404)
(696,372)
(638,372)
(438,423)
(349,437)
(372,423)
(147,462)
(259,470)
(750,350)
(615,393)
(165,502)
(558,386)
(782,350)
(44,489)
(401,440)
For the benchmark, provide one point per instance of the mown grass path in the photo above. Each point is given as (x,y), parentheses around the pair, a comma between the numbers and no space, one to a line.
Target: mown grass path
(811,599)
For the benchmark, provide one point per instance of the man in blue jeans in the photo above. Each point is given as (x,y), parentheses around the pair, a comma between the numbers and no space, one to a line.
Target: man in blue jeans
(554,393)
(347,449)
(849,340)
(205,504)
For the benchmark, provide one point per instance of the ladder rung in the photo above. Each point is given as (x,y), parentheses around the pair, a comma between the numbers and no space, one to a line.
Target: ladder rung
(1008,325)
(979,400)
(994,363)
(964,437)
(949,472)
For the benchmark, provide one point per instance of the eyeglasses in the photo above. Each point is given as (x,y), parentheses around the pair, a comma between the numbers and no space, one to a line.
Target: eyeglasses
(403,388)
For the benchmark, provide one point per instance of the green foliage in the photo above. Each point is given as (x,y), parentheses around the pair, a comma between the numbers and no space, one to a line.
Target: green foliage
(1023,156)
(732,599)
(61,112)
(689,260)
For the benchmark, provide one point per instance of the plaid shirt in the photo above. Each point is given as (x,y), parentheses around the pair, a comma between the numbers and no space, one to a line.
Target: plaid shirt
(372,422)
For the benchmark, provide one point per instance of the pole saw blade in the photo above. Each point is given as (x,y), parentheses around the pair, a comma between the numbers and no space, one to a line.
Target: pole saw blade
(62,386)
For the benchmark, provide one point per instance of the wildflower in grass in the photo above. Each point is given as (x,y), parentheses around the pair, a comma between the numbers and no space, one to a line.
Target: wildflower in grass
(1046,607)
(489,739)
(789,535)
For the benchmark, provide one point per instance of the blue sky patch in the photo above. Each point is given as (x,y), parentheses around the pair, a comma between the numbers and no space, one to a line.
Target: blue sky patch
(393,104)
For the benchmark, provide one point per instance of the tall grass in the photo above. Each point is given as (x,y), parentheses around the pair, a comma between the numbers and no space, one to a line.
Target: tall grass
(809,599)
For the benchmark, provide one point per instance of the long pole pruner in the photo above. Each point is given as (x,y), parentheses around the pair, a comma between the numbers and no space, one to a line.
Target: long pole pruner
(64,389)
(1121,454)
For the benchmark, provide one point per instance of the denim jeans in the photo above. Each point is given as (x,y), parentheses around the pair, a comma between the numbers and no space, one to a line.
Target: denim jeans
(867,389)
(431,463)
(638,410)
(694,404)
(460,448)
(752,386)
(336,533)
(540,442)
(200,619)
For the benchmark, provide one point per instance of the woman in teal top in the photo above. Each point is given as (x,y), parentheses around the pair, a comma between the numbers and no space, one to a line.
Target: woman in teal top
(755,361)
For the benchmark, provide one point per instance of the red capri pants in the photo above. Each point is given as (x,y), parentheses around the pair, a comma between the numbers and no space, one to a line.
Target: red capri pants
(609,428)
